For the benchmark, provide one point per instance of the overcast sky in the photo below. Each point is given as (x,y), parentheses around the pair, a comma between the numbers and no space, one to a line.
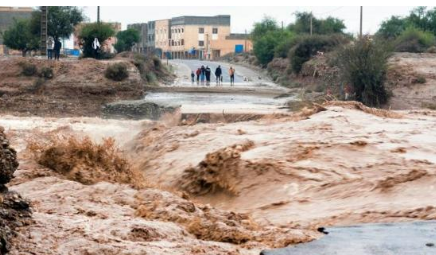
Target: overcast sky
(243,17)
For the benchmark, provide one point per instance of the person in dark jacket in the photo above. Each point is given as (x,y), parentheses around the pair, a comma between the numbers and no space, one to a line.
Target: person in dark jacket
(192,77)
(218,73)
(208,72)
(57,48)
(198,73)
(203,74)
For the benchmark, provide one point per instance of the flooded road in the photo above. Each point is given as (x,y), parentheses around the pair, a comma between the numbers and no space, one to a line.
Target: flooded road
(253,92)
(369,239)
(219,102)
(244,77)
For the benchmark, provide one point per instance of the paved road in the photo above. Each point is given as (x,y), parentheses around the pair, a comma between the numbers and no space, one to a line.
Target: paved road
(417,238)
(243,76)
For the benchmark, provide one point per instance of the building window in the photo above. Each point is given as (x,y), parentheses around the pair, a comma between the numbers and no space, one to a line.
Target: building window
(201,30)
(182,30)
(214,31)
(201,43)
(183,42)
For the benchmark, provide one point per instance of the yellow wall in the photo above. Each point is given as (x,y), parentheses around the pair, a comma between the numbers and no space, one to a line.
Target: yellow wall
(228,46)
(191,36)
(161,33)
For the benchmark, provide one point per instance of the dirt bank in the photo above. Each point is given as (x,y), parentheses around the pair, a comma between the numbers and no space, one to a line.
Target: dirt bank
(412,80)
(74,88)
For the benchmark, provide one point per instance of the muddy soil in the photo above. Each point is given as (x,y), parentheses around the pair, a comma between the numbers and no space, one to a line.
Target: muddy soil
(77,87)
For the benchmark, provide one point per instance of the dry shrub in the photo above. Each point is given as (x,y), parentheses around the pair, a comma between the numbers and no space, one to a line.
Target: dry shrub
(218,171)
(117,72)
(86,162)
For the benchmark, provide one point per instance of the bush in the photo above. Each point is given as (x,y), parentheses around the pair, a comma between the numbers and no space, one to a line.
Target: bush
(46,72)
(28,69)
(363,66)
(414,40)
(419,79)
(432,49)
(282,49)
(264,47)
(117,72)
(307,46)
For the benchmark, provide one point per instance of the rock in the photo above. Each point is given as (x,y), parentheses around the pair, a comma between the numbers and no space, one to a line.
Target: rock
(14,210)
(138,109)
(8,159)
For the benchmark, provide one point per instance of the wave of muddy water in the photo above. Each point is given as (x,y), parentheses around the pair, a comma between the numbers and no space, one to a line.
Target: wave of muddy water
(336,167)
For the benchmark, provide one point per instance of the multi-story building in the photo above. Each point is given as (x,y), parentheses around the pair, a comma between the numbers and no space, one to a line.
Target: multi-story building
(142,28)
(151,36)
(206,37)
(7,16)
(191,36)
(162,36)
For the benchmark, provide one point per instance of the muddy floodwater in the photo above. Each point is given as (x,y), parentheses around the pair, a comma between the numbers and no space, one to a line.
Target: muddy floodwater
(218,102)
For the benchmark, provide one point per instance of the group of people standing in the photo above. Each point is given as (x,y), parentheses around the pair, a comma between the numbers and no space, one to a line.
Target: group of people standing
(203,75)
(53,46)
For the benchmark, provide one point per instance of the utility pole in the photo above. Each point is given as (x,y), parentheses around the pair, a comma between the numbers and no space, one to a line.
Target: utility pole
(361,19)
(245,42)
(207,47)
(44,32)
(98,14)
(311,17)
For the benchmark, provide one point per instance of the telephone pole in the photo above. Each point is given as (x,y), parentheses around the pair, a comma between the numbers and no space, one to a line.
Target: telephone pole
(44,32)
(245,42)
(98,14)
(361,19)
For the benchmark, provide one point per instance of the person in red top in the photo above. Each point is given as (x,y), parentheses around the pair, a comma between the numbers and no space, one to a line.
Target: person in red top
(198,72)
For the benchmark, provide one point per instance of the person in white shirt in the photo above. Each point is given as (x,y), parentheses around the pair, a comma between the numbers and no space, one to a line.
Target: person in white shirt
(50,45)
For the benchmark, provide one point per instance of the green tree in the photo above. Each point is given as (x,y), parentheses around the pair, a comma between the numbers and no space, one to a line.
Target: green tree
(308,46)
(18,37)
(87,34)
(414,40)
(61,21)
(391,28)
(331,25)
(266,46)
(126,39)
(260,29)
(319,26)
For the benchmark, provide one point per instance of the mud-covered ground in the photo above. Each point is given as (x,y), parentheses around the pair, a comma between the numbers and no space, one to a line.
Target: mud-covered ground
(230,188)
